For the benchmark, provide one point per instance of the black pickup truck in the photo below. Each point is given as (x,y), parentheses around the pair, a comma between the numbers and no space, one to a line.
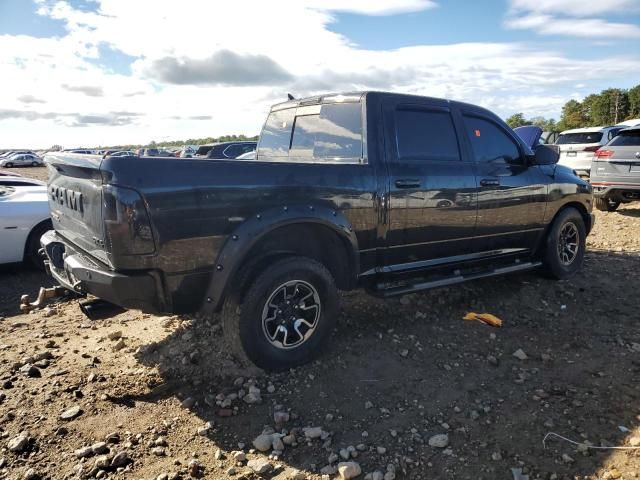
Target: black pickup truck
(392,193)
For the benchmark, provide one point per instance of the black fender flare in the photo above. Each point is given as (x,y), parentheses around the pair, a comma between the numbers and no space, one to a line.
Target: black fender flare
(240,242)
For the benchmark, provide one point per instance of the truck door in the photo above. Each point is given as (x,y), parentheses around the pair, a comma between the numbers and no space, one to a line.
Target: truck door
(432,188)
(511,193)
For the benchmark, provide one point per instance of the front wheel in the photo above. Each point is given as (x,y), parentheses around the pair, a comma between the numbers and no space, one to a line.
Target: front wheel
(286,314)
(34,164)
(606,204)
(8,165)
(565,245)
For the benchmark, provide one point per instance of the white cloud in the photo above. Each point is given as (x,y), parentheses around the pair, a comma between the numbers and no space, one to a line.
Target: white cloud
(577,8)
(570,18)
(195,74)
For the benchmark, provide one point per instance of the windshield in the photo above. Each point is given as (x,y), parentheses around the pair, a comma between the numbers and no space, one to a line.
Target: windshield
(582,137)
(629,138)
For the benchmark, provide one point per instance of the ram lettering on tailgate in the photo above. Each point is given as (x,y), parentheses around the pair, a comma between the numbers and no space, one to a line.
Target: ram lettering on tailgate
(67,198)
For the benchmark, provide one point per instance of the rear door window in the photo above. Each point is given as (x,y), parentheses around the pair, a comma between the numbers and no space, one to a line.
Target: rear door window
(489,142)
(579,138)
(626,139)
(275,138)
(335,133)
(423,134)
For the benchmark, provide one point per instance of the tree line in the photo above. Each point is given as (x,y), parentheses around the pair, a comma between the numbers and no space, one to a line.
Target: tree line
(609,107)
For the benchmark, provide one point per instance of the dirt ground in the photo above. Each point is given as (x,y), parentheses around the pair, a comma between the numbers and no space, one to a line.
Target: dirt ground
(406,388)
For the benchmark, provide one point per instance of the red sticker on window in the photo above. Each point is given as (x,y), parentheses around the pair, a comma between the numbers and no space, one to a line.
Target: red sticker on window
(477,133)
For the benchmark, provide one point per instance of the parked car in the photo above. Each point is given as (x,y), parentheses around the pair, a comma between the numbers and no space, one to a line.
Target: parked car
(578,145)
(21,160)
(24,217)
(389,192)
(13,181)
(123,153)
(82,151)
(615,172)
(634,122)
(12,153)
(247,156)
(225,149)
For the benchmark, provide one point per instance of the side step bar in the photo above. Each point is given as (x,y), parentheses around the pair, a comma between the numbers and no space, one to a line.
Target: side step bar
(384,291)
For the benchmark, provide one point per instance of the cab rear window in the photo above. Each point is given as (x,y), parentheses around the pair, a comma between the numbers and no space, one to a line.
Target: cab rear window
(577,138)
(626,139)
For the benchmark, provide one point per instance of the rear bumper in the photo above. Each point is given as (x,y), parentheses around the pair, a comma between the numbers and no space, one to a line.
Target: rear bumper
(78,272)
(616,190)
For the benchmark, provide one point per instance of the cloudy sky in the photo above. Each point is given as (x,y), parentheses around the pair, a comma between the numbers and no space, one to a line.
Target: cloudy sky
(103,72)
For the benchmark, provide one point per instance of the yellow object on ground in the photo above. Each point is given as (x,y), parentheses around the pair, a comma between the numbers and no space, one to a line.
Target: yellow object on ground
(485,318)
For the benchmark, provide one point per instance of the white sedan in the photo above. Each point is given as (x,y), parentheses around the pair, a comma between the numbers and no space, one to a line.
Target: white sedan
(24,217)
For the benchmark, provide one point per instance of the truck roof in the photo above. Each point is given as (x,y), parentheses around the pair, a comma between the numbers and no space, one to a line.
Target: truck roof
(343,97)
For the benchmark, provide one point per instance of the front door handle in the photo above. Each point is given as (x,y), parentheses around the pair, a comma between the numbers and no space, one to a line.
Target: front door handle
(489,182)
(408,183)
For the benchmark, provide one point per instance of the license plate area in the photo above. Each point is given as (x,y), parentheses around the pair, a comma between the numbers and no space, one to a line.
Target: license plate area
(571,154)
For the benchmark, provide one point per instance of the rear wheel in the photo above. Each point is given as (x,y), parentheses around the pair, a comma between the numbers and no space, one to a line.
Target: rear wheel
(31,255)
(605,204)
(565,245)
(286,314)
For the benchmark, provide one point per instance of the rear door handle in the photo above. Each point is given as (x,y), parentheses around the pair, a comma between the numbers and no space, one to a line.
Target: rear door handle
(489,182)
(408,183)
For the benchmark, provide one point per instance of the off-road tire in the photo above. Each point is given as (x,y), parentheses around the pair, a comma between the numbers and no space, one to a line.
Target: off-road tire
(605,204)
(31,256)
(242,320)
(553,264)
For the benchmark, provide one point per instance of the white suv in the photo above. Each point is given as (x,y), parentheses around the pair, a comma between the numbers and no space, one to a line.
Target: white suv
(578,146)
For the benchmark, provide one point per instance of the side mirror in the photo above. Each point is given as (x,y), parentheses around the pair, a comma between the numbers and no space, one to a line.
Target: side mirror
(545,155)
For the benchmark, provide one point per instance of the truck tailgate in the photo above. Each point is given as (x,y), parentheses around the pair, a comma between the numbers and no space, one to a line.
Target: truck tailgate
(75,200)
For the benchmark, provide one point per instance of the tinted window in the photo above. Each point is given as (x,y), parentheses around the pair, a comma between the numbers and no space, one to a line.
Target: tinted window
(629,138)
(489,142)
(334,133)
(276,134)
(234,151)
(426,135)
(577,138)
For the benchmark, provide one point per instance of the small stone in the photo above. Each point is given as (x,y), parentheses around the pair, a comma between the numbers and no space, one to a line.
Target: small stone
(280,417)
(566,458)
(348,470)
(259,465)
(99,448)
(333,457)
(404,352)
(496,456)
(48,312)
(31,474)
(231,471)
(277,444)
(263,442)
(19,443)
(345,454)
(271,389)
(119,346)
(71,413)
(120,460)
(83,452)
(31,371)
(238,456)
(205,429)
(377,475)
(102,462)
(312,432)
(159,451)
(188,402)
(193,467)
(492,360)
(520,355)
(439,441)
(368,405)
(381,450)
(117,335)
(113,437)
(160,442)
(252,398)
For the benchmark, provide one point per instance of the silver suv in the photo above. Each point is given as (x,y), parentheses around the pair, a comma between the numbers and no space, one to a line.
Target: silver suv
(577,146)
(615,171)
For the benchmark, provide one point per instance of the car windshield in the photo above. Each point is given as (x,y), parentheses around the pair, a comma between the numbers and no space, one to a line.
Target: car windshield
(630,138)
(582,137)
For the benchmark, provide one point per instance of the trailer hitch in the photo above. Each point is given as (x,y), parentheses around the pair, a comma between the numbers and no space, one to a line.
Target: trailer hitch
(26,305)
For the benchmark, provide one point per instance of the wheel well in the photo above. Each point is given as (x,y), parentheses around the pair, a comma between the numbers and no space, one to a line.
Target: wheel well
(40,228)
(583,213)
(308,240)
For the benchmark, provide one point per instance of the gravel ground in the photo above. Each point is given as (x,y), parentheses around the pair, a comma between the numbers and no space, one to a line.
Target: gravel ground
(406,388)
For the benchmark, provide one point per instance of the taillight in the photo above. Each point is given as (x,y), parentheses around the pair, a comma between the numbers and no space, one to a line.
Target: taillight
(126,222)
(591,149)
(604,154)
